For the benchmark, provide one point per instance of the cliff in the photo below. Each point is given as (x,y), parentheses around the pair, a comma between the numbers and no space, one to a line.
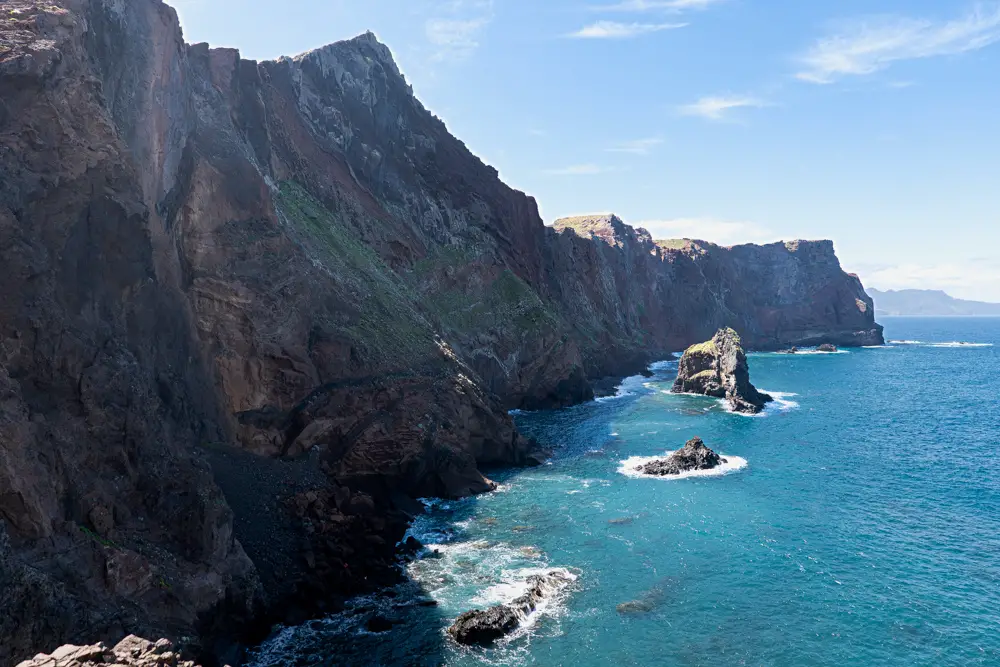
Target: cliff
(252,310)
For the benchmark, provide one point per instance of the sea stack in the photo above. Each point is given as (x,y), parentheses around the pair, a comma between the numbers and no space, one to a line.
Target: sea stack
(718,368)
(694,456)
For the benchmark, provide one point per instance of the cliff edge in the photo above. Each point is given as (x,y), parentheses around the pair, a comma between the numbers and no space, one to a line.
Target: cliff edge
(252,310)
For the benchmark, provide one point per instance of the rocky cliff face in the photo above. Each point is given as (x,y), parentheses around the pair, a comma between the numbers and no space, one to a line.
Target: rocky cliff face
(252,310)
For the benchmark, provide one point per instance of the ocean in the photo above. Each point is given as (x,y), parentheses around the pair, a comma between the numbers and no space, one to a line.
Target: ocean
(857,523)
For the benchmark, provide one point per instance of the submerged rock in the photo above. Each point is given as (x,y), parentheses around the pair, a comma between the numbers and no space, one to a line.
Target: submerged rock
(719,368)
(483,627)
(826,347)
(694,456)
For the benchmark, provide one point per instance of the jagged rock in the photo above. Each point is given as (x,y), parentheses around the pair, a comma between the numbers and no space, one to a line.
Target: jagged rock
(296,259)
(719,368)
(826,347)
(693,456)
(792,350)
(484,627)
(130,652)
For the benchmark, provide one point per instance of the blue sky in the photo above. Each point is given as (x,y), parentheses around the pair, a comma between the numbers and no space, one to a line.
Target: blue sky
(872,122)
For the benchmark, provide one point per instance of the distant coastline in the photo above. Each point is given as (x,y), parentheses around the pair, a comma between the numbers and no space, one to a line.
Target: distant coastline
(928,303)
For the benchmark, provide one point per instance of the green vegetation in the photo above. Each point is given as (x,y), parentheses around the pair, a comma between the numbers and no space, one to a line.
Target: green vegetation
(97,538)
(708,347)
(506,302)
(673,244)
(386,324)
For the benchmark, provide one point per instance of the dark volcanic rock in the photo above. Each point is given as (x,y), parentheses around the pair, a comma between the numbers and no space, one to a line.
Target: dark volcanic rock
(252,310)
(826,347)
(693,456)
(793,350)
(719,368)
(483,627)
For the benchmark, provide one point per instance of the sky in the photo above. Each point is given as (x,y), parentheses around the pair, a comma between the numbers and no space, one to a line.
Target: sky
(875,123)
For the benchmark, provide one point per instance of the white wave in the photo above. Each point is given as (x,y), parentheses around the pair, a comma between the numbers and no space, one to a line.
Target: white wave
(878,347)
(906,342)
(664,365)
(630,386)
(630,467)
(514,584)
(781,401)
(960,344)
(806,353)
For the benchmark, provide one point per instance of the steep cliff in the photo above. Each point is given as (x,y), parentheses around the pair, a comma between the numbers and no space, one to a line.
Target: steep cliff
(252,310)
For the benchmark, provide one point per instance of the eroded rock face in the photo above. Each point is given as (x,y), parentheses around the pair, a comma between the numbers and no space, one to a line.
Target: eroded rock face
(719,368)
(484,627)
(693,456)
(130,652)
(293,271)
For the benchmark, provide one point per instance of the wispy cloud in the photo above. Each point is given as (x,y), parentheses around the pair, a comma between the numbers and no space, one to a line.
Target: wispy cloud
(637,146)
(970,279)
(655,5)
(589,169)
(873,44)
(456,36)
(718,107)
(616,30)
(723,232)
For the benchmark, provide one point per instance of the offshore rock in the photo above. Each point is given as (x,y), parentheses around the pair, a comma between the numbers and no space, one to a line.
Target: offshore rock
(826,347)
(693,456)
(252,310)
(719,368)
(484,627)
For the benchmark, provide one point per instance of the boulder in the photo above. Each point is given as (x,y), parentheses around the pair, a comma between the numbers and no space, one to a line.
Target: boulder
(791,350)
(132,651)
(719,368)
(484,627)
(826,347)
(694,456)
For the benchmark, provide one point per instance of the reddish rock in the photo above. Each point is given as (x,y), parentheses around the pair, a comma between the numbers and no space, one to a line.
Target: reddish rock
(228,284)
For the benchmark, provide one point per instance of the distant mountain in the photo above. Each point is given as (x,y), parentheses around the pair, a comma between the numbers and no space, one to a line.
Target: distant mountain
(928,303)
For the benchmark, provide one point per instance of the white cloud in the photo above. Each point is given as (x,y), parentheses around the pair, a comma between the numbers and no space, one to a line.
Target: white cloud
(578,170)
(717,107)
(723,232)
(615,30)
(456,36)
(654,5)
(636,147)
(871,45)
(968,280)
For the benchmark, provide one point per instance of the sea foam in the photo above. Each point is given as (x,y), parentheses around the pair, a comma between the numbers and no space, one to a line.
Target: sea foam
(630,467)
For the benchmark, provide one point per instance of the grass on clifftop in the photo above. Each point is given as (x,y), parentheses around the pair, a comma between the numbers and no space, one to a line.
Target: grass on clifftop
(708,347)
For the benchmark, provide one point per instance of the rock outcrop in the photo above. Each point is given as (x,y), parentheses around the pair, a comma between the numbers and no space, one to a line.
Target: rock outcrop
(484,627)
(693,456)
(253,309)
(719,368)
(826,347)
(130,652)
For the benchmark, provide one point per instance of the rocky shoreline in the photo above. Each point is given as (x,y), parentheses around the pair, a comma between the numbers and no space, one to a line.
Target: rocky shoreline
(253,310)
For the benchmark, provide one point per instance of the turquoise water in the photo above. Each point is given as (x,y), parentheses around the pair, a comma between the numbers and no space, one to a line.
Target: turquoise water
(864,529)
